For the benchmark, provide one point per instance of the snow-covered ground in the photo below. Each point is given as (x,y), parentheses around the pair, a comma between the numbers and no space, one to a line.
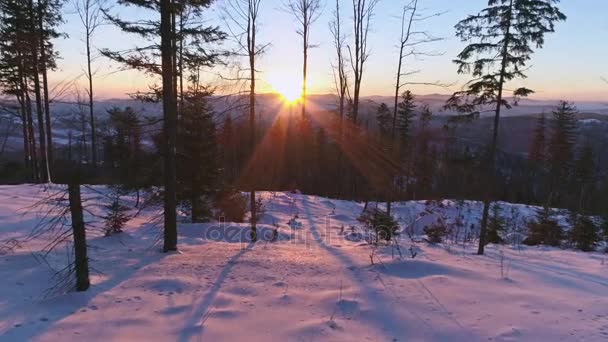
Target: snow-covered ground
(316,283)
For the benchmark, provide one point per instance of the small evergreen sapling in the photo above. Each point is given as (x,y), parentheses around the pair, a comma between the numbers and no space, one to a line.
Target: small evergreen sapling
(232,205)
(584,233)
(544,230)
(381,224)
(116,217)
(436,232)
(496,226)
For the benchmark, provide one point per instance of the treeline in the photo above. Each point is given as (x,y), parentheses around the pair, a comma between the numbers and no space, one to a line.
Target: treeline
(27,54)
(196,154)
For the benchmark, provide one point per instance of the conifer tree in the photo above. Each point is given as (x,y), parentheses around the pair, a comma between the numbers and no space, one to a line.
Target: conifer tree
(495,226)
(538,147)
(585,175)
(501,40)
(197,155)
(405,116)
(544,230)
(584,233)
(383,117)
(561,149)
(426,155)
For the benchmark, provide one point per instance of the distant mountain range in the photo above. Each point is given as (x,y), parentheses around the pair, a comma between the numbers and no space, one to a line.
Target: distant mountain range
(270,103)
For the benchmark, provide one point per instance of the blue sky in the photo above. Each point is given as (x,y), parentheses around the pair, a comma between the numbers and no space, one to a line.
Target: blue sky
(570,66)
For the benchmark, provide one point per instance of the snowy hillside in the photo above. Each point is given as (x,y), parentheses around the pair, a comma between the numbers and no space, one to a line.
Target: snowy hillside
(315,283)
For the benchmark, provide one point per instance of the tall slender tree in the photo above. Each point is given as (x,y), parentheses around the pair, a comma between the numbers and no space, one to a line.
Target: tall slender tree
(501,40)
(363,11)
(169,126)
(339,69)
(89,12)
(243,20)
(538,147)
(305,12)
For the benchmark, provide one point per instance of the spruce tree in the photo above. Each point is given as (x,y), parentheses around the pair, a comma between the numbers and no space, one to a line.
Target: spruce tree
(584,233)
(383,117)
(501,40)
(405,117)
(495,226)
(585,176)
(197,161)
(544,230)
(426,155)
(561,149)
(538,147)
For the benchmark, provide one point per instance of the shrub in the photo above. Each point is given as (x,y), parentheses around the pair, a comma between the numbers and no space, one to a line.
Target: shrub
(544,230)
(232,205)
(436,232)
(380,223)
(116,217)
(584,233)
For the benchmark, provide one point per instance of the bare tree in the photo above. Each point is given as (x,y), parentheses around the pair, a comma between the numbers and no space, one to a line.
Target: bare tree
(306,12)
(339,70)
(91,17)
(363,11)
(242,18)
(409,44)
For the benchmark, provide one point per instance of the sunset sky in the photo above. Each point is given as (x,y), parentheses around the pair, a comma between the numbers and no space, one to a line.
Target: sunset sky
(570,66)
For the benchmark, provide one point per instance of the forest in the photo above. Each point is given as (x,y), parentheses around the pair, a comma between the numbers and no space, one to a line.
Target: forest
(205,141)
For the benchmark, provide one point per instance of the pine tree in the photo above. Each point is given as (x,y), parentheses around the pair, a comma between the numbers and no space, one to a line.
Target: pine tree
(426,156)
(192,42)
(561,150)
(125,155)
(405,116)
(503,36)
(197,155)
(383,117)
(563,140)
(537,153)
(584,233)
(495,226)
(116,216)
(544,230)
(585,175)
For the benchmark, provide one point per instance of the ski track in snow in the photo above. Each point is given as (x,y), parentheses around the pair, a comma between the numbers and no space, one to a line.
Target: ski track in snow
(311,285)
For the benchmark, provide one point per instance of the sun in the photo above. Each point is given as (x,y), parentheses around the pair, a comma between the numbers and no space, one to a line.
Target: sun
(289,89)
(290,93)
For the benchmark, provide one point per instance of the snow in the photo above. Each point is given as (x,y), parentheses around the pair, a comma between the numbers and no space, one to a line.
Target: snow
(313,284)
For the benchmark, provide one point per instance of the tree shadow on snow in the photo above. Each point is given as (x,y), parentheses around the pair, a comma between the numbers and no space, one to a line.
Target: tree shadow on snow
(194,325)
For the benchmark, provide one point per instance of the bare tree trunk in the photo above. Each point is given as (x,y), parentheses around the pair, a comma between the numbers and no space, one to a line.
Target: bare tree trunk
(492,155)
(44,174)
(45,89)
(251,33)
(32,139)
(170,127)
(91,103)
(81,261)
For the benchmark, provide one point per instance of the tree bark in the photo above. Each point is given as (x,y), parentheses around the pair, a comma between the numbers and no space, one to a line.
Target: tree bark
(251,33)
(492,153)
(45,89)
(91,103)
(170,127)
(81,261)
